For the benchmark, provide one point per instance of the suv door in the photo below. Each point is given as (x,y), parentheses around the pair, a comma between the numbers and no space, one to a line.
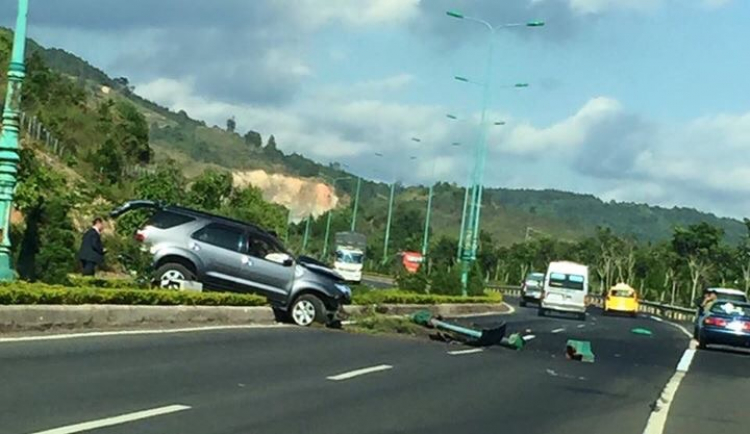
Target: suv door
(220,249)
(271,278)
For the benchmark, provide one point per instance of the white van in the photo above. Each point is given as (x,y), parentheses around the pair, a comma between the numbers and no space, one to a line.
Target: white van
(566,287)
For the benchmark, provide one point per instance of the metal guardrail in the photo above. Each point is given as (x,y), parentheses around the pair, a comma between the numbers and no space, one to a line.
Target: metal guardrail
(673,313)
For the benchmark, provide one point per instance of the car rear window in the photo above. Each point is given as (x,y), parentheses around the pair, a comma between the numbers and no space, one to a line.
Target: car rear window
(566,281)
(168,220)
(622,293)
(730,308)
(732,297)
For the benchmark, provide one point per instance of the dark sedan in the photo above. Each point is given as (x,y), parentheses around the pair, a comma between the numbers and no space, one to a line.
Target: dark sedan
(725,323)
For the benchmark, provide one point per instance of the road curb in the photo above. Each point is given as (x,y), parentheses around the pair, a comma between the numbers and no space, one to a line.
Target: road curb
(46,317)
(23,318)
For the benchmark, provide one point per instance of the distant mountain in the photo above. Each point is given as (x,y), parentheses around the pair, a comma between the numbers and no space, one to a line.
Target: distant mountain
(509,215)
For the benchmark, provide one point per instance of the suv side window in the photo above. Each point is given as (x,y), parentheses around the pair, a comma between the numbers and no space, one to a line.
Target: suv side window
(260,246)
(221,236)
(168,220)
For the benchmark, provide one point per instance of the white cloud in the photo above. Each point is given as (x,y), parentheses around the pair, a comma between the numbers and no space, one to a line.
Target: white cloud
(599,6)
(356,13)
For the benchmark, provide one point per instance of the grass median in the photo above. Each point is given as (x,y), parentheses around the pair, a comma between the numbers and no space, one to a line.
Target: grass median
(395,296)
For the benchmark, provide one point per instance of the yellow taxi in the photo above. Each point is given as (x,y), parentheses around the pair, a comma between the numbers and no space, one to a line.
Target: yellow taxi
(621,298)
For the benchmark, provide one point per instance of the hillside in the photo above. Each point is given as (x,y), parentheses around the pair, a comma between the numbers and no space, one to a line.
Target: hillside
(507,215)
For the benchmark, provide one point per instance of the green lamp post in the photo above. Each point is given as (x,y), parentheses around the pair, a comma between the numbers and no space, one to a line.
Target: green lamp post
(471,229)
(330,212)
(9,145)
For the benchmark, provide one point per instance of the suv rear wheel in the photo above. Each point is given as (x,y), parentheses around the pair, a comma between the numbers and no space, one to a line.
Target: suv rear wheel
(307,309)
(170,275)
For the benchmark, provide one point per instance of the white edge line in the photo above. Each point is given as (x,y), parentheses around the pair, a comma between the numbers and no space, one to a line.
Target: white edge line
(677,326)
(359,372)
(463,352)
(686,360)
(558,330)
(116,420)
(135,332)
(657,421)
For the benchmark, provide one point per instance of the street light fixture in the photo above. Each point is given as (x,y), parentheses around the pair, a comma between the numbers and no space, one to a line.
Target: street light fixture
(9,157)
(472,228)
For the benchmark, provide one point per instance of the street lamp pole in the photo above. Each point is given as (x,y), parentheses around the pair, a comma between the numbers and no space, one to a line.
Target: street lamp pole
(356,204)
(307,234)
(471,236)
(9,146)
(330,212)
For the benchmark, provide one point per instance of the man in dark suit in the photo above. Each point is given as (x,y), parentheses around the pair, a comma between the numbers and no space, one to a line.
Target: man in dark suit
(91,253)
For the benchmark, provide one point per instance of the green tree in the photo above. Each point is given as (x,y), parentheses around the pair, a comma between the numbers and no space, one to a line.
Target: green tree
(697,246)
(210,190)
(248,205)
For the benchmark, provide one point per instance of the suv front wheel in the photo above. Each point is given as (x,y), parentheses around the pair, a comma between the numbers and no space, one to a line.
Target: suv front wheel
(308,309)
(170,275)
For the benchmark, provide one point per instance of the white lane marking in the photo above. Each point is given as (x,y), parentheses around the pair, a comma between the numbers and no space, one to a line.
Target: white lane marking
(657,421)
(558,330)
(675,325)
(511,309)
(135,332)
(686,360)
(580,326)
(529,337)
(463,352)
(358,372)
(116,420)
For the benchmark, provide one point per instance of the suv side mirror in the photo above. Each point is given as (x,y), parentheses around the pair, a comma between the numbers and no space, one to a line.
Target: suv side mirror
(288,262)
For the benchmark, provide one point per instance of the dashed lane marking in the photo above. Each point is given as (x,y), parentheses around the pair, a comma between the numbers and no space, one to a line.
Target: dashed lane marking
(464,352)
(359,372)
(116,420)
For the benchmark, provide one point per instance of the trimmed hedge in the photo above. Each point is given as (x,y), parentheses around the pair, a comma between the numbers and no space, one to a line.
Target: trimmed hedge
(393,296)
(40,293)
(77,280)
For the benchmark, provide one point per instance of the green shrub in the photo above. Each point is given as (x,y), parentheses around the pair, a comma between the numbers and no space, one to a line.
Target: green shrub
(445,282)
(393,296)
(39,293)
(412,282)
(77,280)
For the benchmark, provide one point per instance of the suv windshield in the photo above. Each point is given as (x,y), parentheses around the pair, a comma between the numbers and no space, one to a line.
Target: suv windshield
(566,281)
(732,297)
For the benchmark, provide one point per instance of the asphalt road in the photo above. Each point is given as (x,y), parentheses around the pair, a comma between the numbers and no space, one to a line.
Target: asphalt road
(295,380)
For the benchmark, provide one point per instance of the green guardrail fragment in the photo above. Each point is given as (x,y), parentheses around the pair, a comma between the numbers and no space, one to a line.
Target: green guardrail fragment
(642,331)
(580,350)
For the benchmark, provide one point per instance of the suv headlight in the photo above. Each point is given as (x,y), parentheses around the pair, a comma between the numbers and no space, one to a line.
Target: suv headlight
(344,289)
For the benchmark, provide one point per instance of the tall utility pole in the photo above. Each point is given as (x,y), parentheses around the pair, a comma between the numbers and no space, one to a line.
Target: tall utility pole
(330,213)
(471,229)
(388,222)
(9,146)
(307,234)
(356,204)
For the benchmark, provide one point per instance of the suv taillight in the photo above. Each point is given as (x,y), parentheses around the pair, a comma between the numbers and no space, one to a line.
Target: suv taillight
(140,237)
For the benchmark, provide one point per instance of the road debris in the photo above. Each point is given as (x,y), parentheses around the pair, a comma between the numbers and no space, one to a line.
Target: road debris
(579,351)
(450,332)
(642,331)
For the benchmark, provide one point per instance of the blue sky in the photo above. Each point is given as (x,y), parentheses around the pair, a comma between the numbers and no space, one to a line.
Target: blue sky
(631,100)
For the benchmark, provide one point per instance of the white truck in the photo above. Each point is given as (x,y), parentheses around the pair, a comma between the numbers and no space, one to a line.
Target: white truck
(350,255)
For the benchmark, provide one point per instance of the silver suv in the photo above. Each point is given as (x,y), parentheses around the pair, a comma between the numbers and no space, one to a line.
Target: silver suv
(230,255)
